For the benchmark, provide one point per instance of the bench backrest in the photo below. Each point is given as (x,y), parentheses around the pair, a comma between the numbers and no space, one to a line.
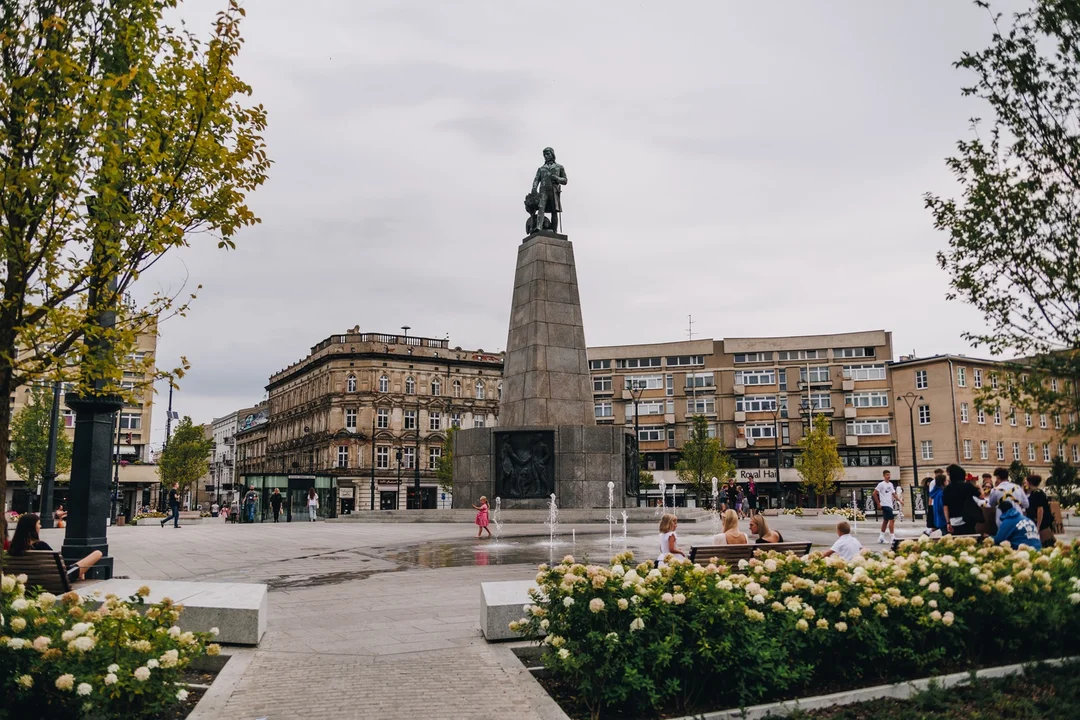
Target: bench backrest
(44,568)
(703,553)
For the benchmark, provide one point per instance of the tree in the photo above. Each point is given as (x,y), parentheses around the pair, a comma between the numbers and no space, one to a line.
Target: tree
(187,456)
(1063,482)
(703,458)
(819,463)
(444,470)
(1013,251)
(30,439)
(1017,472)
(645,477)
(121,136)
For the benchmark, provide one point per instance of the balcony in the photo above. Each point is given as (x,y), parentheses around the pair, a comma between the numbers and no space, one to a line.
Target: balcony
(740,416)
(851,440)
(850,412)
(740,389)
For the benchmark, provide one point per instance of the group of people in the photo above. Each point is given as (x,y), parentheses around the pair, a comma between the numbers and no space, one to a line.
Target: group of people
(729,535)
(742,502)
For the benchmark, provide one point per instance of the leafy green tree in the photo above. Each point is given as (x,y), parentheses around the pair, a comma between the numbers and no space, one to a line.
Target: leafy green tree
(1063,482)
(444,470)
(122,136)
(1018,471)
(645,477)
(187,456)
(30,439)
(1013,252)
(819,463)
(702,458)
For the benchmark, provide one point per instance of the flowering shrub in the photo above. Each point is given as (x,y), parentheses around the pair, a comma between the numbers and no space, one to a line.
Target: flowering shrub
(637,638)
(845,512)
(61,658)
(152,514)
(793,511)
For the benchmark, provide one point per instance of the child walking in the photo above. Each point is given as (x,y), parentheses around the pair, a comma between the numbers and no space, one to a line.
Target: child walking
(668,539)
(482,517)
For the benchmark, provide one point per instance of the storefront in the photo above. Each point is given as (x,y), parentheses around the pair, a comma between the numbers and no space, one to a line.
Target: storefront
(295,489)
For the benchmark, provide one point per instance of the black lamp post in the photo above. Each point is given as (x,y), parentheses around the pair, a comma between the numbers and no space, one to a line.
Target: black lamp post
(398,455)
(776,443)
(374,412)
(911,398)
(416,459)
(636,389)
(48,478)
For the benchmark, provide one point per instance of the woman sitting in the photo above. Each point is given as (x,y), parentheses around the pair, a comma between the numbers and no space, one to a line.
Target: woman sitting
(731,534)
(59,517)
(759,527)
(27,537)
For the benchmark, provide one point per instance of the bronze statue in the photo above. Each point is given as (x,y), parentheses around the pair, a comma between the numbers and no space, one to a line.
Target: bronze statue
(548,182)
(532,204)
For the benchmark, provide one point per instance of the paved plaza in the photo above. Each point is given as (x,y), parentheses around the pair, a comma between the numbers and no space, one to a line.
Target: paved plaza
(381,620)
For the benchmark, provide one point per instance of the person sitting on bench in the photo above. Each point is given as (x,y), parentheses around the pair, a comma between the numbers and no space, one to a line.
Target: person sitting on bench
(27,537)
(759,527)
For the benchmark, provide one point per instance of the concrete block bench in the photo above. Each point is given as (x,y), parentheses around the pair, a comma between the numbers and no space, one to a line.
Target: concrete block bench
(237,610)
(501,602)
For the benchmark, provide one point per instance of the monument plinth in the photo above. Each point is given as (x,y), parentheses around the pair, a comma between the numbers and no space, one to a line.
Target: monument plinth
(547,440)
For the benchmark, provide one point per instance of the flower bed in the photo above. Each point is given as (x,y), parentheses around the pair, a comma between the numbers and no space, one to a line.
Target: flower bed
(152,514)
(636,640)
(59,658)
(793,511)
(845,512)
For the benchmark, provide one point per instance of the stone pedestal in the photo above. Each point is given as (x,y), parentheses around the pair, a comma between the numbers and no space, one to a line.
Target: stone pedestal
(547,440)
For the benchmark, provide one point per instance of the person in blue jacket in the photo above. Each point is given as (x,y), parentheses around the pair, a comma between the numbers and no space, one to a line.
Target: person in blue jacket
(937,503)
(1016,528)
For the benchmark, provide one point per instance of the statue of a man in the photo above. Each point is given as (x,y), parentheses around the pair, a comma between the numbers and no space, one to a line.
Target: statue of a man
(550,178)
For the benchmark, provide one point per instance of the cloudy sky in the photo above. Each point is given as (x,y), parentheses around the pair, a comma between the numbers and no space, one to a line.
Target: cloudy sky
(760,166)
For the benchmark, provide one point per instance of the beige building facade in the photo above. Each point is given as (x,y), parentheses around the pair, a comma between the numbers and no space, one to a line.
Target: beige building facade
(757,395)
(949,427)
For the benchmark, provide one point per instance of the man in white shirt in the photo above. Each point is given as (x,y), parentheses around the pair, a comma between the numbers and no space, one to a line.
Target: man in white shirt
(846,546)
(1006,489)
(884,497)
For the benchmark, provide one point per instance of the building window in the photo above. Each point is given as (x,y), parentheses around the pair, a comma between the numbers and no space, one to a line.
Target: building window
(980,415)
(993,380)
(433,456)
(410,419)
(927,449)
(758,357)
(350,419)
(455,420)
(679,360)
(921,380)
(977,377)
(457,388)
(967,449)
(479,421)
(984,450)
(755,403)
(499,391)
(669,385)
(481,390)
(130,421)
(924,414)
(408,458)
(69,418)
(700,406)
(818,374)
(963,412)
(382,457)
(1061,450)
(646,407)
(1042,420)
(603,410)
(410,386)
(631,363)
(384,384)
(699,380)
(1053,385)
(434,420)
(382,418)
(759,431)
(350,384)
(868,426)
(1031,452)
(1016,451)
(817,401)
(644,382)
(601,384)
(1012,417)
(650,433)
(436,387)
(1076,453)
(755,377)
(671,437)
(961,377)
(997,416)
(599,364)
(864,372)
(343,456)
(1057,422)
(1027,419)
(1046,452)
(801,355)
(873,398)
(856,352)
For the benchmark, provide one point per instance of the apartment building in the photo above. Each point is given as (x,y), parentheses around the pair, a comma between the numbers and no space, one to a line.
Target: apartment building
(758,395)
(949,427)
(371,410)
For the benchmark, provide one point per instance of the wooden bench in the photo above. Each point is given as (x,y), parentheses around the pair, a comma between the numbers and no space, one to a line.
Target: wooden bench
(728,553)
(43,568)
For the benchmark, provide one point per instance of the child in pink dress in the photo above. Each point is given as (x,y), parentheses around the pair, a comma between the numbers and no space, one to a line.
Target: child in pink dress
(482,517)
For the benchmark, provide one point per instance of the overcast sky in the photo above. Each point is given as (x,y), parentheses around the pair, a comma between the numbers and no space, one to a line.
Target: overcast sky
(760,166)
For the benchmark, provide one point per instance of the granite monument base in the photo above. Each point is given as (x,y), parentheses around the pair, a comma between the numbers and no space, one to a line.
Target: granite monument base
(583,460)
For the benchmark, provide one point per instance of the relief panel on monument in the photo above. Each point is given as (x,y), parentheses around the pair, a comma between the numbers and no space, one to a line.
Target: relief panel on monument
(524,464)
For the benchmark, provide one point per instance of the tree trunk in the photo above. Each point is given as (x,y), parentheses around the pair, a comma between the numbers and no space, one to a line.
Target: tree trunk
(7,374)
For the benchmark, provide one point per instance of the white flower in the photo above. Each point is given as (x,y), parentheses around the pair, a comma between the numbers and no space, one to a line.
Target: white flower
(743,564)
(26,681)
(947,619)
(41,644)
(65,682)
(21,578)
(759,599)
(18,624)
(567,601)
(526,608)
(667,597)
(46,600)
(596,605)
(84,689)
(81,628)
(569,560)
(83,643)
(174,632)
(934,587)
(142,674)
(802,625)
(637,624)
(545,624)
(654,573)
(612,636)
(17,643)
(679,598)
(724,585)
(823,624)
(7,584)
(110,679)
(563,654)
(1074,598)
(20,604)
(152,663)
(181,695)
(841,627)
(214,631)
(623,604)
(935,616)
(113,668)
(67,636)
(170,658)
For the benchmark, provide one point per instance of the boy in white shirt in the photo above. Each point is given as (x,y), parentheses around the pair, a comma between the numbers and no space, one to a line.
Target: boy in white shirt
(846,546)
(884,497)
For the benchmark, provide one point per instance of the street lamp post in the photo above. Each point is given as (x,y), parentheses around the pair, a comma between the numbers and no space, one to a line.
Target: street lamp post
(776,444)
(48,478)
(374,412)
(398,493)
(911,398)
(636,388)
